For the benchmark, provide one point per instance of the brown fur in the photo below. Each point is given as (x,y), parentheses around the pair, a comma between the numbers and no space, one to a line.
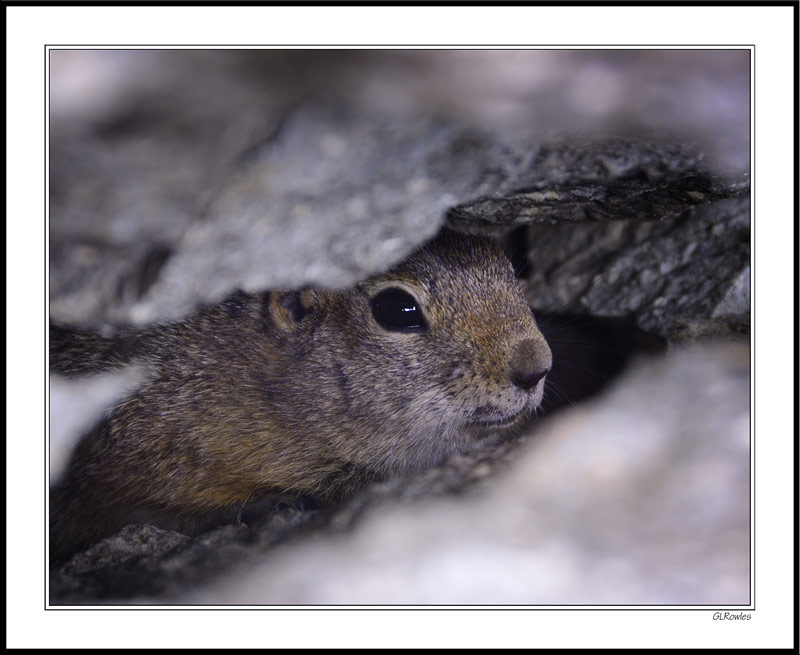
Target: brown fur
(301,392)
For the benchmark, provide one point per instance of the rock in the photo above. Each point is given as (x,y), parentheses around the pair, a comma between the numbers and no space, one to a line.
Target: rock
(664,274)
(600,180)
(108,565)
(324,203)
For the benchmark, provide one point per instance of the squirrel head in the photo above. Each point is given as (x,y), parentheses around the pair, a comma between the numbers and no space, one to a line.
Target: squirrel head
(436,355)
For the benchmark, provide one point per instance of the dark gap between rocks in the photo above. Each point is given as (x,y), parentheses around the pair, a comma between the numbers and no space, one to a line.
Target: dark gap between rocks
(589,352)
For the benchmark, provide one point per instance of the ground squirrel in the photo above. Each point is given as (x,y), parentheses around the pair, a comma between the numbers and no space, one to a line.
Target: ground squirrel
(306,392)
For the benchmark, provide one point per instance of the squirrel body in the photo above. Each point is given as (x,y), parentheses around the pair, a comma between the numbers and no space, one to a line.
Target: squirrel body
(306,392)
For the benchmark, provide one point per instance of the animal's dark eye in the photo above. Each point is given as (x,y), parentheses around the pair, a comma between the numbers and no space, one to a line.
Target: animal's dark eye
(397,310)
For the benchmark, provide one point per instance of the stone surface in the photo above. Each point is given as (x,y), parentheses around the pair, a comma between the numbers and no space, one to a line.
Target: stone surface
(664,274)
(599,180)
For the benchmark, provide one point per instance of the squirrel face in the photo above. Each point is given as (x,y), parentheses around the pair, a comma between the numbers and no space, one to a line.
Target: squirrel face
(433,357)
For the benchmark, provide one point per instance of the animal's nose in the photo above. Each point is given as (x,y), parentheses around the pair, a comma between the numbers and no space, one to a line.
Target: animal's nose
(530,362)
(528,381)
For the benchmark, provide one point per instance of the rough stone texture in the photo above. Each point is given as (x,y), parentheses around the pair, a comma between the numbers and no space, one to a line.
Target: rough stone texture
(665,274)
(176,177)
(145,560)
(600,180)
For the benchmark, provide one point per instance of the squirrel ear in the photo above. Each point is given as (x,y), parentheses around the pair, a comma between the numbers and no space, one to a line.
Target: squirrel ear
(289,309)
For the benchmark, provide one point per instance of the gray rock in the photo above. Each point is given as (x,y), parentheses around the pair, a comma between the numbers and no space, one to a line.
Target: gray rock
(600,180)
(108,564)
(325,203)
(664,274)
